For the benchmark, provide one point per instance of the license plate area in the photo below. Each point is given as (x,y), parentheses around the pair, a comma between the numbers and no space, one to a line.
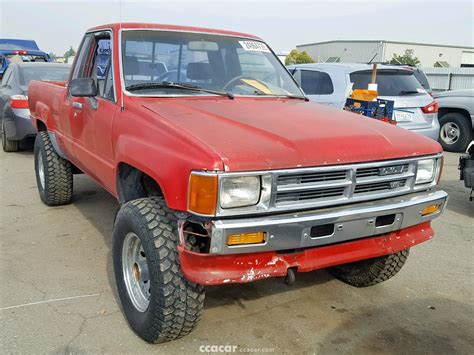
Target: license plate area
(403,116)
(329,233)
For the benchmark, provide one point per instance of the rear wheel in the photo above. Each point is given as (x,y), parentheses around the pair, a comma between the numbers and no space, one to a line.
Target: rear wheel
(371,271)
(53,173)
(455,132)
(158,302)
(7,144)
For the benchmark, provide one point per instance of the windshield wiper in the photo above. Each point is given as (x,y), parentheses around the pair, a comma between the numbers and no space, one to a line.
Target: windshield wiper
(408,92)
(295,97)
(169,84)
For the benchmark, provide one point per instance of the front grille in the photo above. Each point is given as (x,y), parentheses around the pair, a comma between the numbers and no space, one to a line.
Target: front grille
(310,195)
(379,186)
(311,177)
(375,171)
(345,183)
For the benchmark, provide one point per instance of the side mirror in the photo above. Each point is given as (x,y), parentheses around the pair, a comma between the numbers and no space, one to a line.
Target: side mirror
(83,87)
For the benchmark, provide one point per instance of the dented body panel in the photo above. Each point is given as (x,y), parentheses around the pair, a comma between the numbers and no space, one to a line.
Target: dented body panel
(223,269)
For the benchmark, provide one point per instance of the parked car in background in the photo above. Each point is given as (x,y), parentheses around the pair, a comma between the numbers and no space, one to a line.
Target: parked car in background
(327,84)
(456,118)
(22,50)
(14,112)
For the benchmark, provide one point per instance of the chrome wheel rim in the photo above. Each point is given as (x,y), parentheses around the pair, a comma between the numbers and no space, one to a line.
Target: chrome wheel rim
(41,170)
(450,133)
(135,272)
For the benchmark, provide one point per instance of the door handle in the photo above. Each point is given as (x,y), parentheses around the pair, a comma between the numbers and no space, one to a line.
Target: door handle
(77,105)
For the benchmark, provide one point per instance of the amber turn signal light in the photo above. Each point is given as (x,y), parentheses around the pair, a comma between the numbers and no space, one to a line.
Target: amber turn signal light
(246,238)
(202,196)
(430,209)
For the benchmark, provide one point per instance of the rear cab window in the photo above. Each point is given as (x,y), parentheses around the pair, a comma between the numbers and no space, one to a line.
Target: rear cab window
(390,82)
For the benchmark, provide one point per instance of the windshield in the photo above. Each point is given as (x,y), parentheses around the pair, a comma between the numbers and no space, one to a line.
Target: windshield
(213,62)
(390,82)
(43,73)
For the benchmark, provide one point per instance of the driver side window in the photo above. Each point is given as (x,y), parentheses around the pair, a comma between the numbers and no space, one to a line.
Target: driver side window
(102,70)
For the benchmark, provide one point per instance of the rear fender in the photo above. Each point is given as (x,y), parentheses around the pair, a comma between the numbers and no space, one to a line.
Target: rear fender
(43,114)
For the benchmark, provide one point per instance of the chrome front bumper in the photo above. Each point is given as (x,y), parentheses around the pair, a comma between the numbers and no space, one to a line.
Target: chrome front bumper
(327,226)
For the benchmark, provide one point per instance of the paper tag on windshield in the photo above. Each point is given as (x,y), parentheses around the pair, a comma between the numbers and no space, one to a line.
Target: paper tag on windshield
(254,46)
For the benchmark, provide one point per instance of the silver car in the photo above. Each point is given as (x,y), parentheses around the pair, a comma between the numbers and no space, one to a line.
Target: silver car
(14,111)
(456,118)
(327,83)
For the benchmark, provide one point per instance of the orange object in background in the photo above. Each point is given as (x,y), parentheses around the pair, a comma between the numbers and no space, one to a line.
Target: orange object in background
(363,94)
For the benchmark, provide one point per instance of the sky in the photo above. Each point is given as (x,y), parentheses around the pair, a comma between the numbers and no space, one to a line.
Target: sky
(56,25)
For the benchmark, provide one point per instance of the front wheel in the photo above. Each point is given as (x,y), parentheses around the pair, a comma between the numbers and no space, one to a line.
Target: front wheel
(371,271)
(159,303)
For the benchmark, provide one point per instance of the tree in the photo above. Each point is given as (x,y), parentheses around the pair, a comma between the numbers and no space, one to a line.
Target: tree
(69,53)
(296,57)
(407,58)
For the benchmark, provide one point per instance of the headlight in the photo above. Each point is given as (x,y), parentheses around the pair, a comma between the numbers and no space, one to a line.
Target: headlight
(239,191)
(426,171)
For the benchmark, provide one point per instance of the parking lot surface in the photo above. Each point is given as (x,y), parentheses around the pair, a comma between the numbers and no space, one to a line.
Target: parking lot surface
(57,290)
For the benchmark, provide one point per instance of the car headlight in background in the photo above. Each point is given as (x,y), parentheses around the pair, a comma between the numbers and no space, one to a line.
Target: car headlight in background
(239,191)
(427,171)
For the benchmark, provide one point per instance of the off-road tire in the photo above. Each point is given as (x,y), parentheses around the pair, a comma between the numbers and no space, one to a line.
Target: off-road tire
(465,127)
(9,145)
(58,178)
(175,304)
(371,271)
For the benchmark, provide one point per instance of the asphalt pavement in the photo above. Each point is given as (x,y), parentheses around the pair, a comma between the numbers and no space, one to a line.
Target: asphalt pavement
(57,289)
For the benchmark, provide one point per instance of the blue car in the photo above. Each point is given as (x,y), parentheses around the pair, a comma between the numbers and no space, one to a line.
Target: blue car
(27,50)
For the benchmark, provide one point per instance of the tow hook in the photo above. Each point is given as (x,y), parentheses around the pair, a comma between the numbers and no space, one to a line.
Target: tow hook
(290,276)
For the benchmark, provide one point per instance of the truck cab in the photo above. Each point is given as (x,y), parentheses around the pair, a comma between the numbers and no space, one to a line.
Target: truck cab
(224,171)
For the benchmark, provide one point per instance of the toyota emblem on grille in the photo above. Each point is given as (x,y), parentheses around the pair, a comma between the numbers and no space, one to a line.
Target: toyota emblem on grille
(391,170)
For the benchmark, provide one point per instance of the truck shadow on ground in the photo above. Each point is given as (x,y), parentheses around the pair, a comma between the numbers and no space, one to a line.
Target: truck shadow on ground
(417,326)
(458,197)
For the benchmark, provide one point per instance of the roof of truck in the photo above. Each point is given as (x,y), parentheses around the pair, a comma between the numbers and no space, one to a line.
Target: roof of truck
(136,25)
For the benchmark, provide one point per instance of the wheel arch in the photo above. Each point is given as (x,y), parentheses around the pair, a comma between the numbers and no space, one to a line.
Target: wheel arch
(133,183)
(442,111)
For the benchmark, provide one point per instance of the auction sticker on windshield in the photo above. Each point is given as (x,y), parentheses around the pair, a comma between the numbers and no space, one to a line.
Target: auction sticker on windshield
(254,46)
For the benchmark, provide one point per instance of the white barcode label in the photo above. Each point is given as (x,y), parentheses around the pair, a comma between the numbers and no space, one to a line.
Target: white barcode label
(254,46)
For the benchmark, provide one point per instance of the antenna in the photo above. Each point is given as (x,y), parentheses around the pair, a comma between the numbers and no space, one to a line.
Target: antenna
(122,108)
(376,52)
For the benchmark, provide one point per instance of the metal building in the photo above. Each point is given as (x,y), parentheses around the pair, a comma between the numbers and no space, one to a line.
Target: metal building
(383,51)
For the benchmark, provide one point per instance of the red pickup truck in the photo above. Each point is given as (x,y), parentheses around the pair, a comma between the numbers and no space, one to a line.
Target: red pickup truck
(225,173)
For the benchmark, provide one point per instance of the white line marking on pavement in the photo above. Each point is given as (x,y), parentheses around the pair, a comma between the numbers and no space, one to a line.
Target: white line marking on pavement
(48,301)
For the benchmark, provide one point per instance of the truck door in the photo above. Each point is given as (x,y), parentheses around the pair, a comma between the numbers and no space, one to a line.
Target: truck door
(92,117)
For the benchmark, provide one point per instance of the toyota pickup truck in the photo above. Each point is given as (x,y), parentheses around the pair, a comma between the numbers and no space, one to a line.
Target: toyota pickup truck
(224,171)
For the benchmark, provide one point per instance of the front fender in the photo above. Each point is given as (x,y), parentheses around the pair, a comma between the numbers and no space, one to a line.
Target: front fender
(168,165)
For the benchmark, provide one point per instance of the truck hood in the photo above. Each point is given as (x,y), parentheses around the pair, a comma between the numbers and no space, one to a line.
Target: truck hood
(268,133)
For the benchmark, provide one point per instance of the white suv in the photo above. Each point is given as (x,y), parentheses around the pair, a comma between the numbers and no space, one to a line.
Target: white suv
(327,84)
